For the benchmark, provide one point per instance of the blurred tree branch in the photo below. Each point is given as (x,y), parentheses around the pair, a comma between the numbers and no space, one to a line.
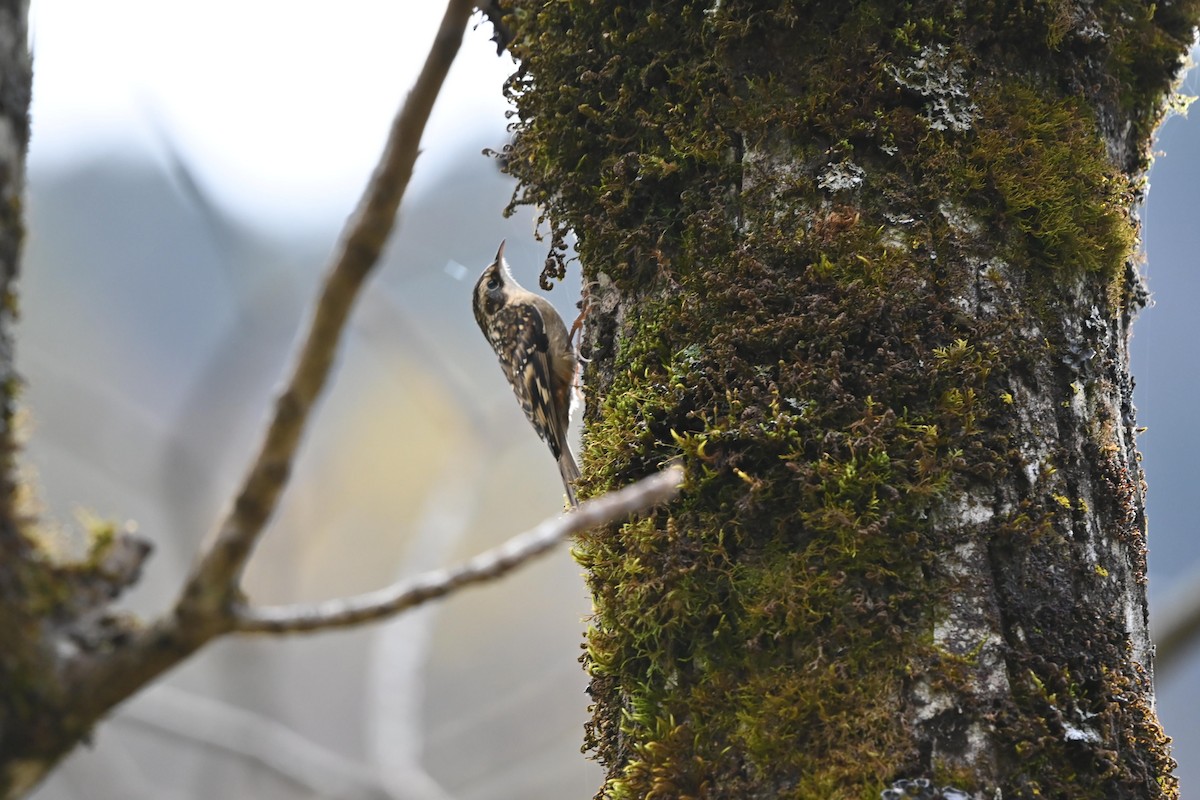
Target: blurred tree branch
(486,566)
(1175,624)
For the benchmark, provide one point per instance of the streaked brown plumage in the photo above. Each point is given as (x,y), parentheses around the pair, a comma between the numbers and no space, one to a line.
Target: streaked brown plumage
(535,352)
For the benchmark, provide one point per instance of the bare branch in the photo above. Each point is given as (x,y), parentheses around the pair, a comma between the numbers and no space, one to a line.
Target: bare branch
(486,566)
(97,679)
(211,587)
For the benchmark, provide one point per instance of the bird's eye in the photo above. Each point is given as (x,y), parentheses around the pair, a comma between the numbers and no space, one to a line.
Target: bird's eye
(493,283)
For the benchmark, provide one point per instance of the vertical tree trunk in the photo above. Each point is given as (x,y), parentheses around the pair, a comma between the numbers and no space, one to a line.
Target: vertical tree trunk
(868,270)
(23,656)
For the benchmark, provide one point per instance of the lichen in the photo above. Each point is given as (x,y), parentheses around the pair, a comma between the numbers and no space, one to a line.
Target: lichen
(943,87)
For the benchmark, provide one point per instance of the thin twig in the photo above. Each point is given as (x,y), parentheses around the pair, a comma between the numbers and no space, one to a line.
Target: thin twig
(214,581)
(486,566)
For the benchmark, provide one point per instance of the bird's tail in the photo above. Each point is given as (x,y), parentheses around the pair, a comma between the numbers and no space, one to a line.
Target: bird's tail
(570,473)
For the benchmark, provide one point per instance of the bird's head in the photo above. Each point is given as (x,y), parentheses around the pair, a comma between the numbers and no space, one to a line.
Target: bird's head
(493,289)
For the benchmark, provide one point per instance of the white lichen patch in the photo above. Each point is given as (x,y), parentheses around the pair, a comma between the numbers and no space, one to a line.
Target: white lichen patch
(899,219)
(1074,733)
(1091,31)
(966,628)
(929,703)
(772,162)
(959,219)
(965,304)
(841,176)
(1078,400)
(1032,444)
(966,631)
(1033,458)
(1135,627)
(942,83)
(605,293)
(969,511)
(895,240)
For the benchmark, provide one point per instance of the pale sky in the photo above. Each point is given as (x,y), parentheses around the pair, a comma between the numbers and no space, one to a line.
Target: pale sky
(280,106)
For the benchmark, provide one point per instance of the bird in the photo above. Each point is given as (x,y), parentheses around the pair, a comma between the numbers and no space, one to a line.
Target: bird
(536,355)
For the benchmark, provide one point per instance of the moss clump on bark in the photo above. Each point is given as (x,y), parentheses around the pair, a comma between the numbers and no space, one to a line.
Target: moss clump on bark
(802,526)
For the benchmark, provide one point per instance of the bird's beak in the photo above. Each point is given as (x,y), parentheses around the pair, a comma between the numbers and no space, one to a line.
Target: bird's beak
(500,252)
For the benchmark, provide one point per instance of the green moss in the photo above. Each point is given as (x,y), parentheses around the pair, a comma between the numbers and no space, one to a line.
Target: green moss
(1043,159)
(801,546)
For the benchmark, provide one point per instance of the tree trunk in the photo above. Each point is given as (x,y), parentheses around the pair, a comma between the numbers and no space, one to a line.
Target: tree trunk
(66,655)
(868,270)
(25,656)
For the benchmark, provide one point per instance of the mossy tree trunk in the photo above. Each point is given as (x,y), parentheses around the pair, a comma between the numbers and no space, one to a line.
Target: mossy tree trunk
(26,657)
(868,270)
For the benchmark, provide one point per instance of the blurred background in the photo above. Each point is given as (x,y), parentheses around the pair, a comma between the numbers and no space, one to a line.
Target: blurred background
(191,167)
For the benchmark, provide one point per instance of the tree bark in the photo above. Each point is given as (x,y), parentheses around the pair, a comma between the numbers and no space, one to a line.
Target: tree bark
(867,270)
(26,656)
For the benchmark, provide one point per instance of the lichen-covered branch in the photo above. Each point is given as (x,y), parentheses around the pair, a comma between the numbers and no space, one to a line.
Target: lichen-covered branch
(486,566)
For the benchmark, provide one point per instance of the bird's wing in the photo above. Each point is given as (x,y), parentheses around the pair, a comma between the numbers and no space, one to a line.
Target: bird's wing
(523,334)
